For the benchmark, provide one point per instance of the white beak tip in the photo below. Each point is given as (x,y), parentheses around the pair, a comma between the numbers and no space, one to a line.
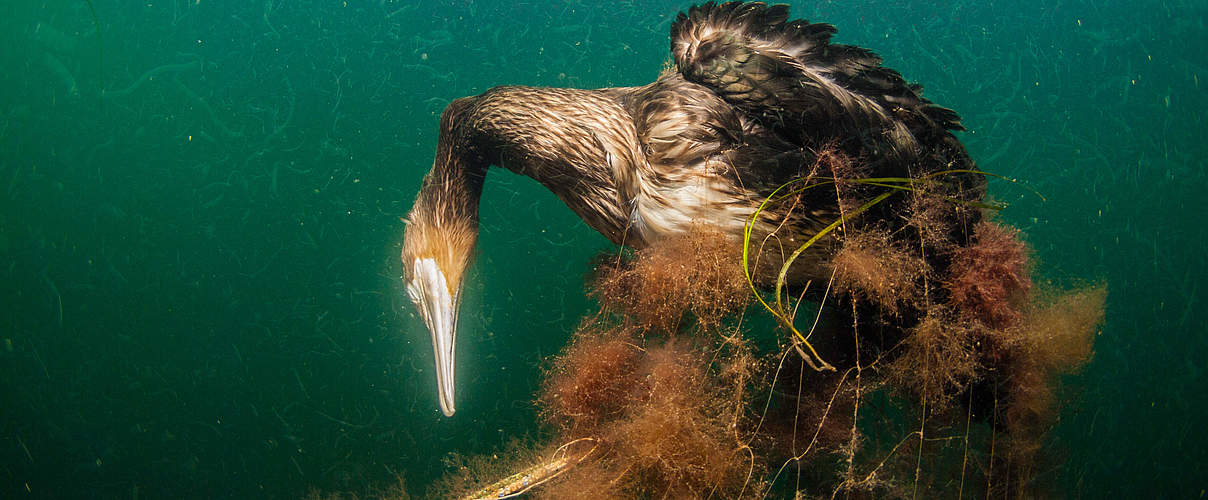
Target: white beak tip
(431,294)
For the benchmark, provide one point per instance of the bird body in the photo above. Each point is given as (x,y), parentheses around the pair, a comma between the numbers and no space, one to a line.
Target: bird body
(636,163)
(752,101)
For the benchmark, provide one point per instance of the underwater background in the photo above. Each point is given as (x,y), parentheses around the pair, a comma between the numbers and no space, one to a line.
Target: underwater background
(200,227)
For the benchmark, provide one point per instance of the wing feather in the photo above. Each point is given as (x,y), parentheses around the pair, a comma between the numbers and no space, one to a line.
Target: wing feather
(789,75)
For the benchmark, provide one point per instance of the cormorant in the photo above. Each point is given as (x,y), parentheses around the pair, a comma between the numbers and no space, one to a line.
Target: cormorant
(751,101)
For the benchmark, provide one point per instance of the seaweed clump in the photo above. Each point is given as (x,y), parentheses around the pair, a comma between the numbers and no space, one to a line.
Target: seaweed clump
(947,372)
(664,405)
(938,360)
(672,437)
(874,267)
(649,400)
(1055,337)
(593,380)
(694,274)
(990,279)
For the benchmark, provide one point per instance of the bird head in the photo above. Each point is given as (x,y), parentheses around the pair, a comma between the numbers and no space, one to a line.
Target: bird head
(435,256)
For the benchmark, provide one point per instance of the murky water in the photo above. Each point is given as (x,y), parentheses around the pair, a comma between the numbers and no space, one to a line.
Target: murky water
(200,279)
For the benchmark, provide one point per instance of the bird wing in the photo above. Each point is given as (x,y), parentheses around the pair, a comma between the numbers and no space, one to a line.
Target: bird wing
(788,75)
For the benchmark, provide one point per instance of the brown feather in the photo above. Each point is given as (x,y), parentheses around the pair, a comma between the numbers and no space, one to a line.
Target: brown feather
(698,145)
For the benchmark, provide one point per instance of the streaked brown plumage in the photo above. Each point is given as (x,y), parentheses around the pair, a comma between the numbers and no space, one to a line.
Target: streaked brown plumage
(752,99)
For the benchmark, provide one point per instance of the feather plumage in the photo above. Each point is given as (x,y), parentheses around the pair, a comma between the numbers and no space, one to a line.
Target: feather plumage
(756,101)
(789,75)
(754,96)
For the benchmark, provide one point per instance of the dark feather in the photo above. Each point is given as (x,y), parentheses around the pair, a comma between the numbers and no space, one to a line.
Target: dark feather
(755,97)
(789,75)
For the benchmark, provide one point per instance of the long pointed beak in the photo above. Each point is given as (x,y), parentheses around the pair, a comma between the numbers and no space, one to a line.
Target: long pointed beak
(437,303)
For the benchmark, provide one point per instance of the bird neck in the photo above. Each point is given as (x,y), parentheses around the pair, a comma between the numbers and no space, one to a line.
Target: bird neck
(443,224)
(571,141)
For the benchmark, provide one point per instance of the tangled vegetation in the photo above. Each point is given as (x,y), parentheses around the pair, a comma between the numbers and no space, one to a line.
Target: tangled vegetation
(944,375)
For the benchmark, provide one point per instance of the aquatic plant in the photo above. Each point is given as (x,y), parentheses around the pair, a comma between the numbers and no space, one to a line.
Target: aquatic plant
(931,190)
(989,279)
(876,268)
(591,381)
(949,358)
(945,362)
(938,360)
(691,273)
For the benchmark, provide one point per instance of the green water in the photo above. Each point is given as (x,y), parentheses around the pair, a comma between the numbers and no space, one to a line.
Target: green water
(200,276)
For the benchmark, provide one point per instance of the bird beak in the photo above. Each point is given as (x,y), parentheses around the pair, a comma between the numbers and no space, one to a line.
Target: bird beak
(430,292)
